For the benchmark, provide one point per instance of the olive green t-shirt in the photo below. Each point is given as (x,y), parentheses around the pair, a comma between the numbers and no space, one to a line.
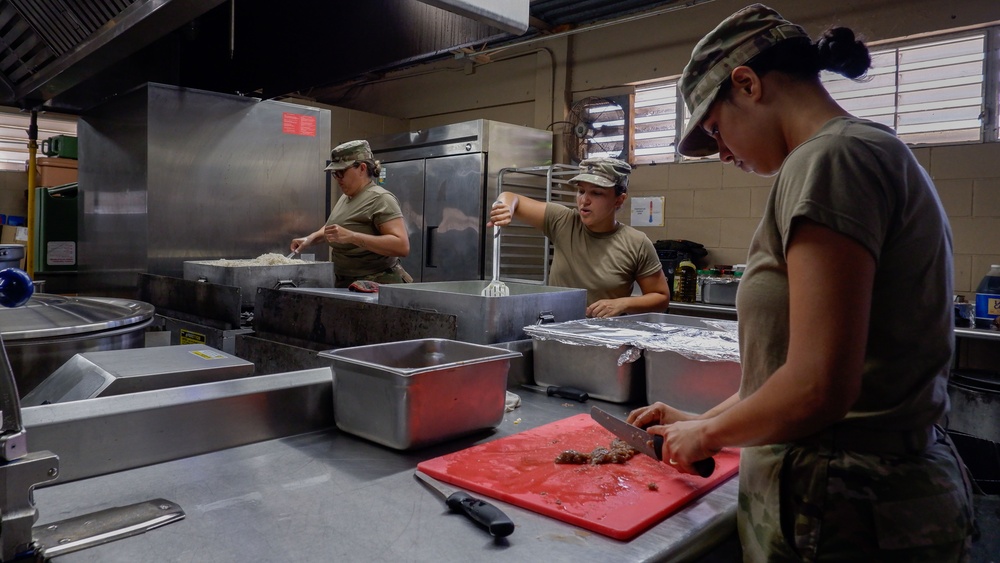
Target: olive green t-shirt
(855,177)
(605,264)
(371,207)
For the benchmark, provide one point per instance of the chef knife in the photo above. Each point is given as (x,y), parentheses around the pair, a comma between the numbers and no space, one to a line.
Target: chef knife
(560,391)
(479,511)
(644,442)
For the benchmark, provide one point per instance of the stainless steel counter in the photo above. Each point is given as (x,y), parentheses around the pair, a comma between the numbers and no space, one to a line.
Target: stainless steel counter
(977,333)
(329,496)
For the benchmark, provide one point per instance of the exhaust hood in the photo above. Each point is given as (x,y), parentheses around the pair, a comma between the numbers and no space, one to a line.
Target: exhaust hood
(70,56)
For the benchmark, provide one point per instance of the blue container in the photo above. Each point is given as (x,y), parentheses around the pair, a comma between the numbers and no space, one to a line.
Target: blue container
(988,298)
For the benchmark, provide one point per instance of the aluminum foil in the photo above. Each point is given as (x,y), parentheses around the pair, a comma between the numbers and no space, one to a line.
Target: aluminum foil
(717,344)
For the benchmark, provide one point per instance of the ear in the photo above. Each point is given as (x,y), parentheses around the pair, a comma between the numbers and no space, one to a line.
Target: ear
(746,82)
(620,200)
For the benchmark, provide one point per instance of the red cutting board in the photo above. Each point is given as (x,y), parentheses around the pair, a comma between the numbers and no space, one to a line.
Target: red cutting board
(613,500)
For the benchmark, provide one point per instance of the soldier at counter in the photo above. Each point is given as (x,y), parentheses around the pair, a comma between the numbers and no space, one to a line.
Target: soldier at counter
(593,251)
(365,231)
(837,412)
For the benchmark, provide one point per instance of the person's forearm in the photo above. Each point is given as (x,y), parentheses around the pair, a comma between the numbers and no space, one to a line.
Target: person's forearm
(315,237)
(385,245)
(785,408)
(721,407)
(646,303)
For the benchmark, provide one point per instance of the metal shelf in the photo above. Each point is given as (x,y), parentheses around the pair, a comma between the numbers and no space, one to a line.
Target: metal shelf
(525,253)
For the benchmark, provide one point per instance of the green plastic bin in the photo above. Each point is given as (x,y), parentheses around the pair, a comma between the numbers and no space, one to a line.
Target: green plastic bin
(56,228)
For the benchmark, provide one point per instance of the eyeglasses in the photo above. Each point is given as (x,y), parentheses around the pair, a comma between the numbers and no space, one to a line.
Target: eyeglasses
(339,174)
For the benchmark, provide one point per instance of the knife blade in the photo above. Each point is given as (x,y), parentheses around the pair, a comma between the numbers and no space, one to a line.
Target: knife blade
(560,391)
(642,441)
(479,511)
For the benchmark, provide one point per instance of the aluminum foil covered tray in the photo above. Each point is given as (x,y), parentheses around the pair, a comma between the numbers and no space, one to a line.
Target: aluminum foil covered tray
(631,358)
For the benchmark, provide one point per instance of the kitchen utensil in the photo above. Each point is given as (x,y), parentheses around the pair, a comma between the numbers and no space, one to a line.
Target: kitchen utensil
(496,288)
(644,442)
(564,392)
(479,511)
(291,255)
(616,500)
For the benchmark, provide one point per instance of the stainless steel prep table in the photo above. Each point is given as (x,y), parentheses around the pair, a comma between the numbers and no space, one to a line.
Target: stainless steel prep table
(329,496)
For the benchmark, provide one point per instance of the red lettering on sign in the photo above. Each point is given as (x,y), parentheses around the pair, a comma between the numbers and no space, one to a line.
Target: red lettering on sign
(298,124)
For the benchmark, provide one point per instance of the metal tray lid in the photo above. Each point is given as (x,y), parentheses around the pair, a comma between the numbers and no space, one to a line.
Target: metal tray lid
(47,315)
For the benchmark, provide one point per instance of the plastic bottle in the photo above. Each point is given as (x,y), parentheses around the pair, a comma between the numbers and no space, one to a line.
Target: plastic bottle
(685,281)
(988,298)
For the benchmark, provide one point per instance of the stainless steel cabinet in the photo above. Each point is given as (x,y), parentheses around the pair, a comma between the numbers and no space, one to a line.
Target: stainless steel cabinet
(445,179)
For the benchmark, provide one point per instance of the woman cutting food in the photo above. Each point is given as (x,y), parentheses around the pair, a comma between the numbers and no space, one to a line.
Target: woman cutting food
(836,414)
(365,231)
(593,251)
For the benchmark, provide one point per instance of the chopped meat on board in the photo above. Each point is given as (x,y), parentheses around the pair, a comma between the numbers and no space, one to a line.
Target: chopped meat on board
(618,452)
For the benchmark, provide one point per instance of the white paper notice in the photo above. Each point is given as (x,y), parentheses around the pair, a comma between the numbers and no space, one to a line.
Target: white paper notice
(60,253)
(647,211)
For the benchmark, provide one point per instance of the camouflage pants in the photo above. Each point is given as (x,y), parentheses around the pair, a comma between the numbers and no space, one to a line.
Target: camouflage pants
(812,503)
(396,274)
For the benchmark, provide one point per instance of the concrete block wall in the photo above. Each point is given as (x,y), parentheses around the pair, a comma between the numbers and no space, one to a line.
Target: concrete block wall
(719,205)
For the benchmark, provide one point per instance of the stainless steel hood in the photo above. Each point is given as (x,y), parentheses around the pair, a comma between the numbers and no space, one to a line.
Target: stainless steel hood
(72,55)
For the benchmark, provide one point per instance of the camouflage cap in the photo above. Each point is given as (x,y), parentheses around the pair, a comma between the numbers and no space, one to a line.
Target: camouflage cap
(604,172)
(736,40)
(345,155)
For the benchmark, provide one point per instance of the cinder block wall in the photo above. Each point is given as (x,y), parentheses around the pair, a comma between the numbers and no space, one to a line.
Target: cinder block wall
(719,205)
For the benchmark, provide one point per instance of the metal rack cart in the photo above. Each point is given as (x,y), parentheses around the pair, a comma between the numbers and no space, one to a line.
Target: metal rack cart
(525,253)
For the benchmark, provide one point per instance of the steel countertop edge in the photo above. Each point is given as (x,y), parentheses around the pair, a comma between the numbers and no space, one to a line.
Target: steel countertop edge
(330,495)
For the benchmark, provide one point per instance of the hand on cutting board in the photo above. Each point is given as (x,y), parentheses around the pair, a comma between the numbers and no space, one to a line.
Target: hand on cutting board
(657,413)
(683,444)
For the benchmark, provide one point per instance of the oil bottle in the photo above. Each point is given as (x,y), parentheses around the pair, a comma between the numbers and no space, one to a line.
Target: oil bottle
(685,281)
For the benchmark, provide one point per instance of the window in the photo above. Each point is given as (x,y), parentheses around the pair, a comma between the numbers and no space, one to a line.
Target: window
(654,120)
(14,136)
(928,93)
(932,91)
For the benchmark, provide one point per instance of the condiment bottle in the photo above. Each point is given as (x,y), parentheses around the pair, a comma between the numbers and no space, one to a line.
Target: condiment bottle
(685,281)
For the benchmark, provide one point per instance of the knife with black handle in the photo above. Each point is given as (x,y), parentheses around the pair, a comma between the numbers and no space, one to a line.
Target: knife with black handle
(571,393)
(479,511)
(704,467)
(644,442)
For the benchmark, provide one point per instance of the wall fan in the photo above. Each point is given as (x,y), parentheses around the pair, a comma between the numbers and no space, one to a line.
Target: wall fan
(597,127)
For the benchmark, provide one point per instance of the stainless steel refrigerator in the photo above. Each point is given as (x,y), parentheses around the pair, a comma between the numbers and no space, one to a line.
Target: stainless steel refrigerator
(446,179)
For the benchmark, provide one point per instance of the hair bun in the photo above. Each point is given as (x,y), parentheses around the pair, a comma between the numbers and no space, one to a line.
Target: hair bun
(841,52)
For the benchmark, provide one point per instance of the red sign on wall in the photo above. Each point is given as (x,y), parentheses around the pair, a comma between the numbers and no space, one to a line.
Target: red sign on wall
(298,124)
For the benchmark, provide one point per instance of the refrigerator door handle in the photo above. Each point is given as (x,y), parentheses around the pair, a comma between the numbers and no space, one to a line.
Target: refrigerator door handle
(429,244)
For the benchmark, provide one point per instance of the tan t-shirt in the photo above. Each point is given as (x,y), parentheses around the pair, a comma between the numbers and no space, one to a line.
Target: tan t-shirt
(363,213)
(605,264)
(857,178)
